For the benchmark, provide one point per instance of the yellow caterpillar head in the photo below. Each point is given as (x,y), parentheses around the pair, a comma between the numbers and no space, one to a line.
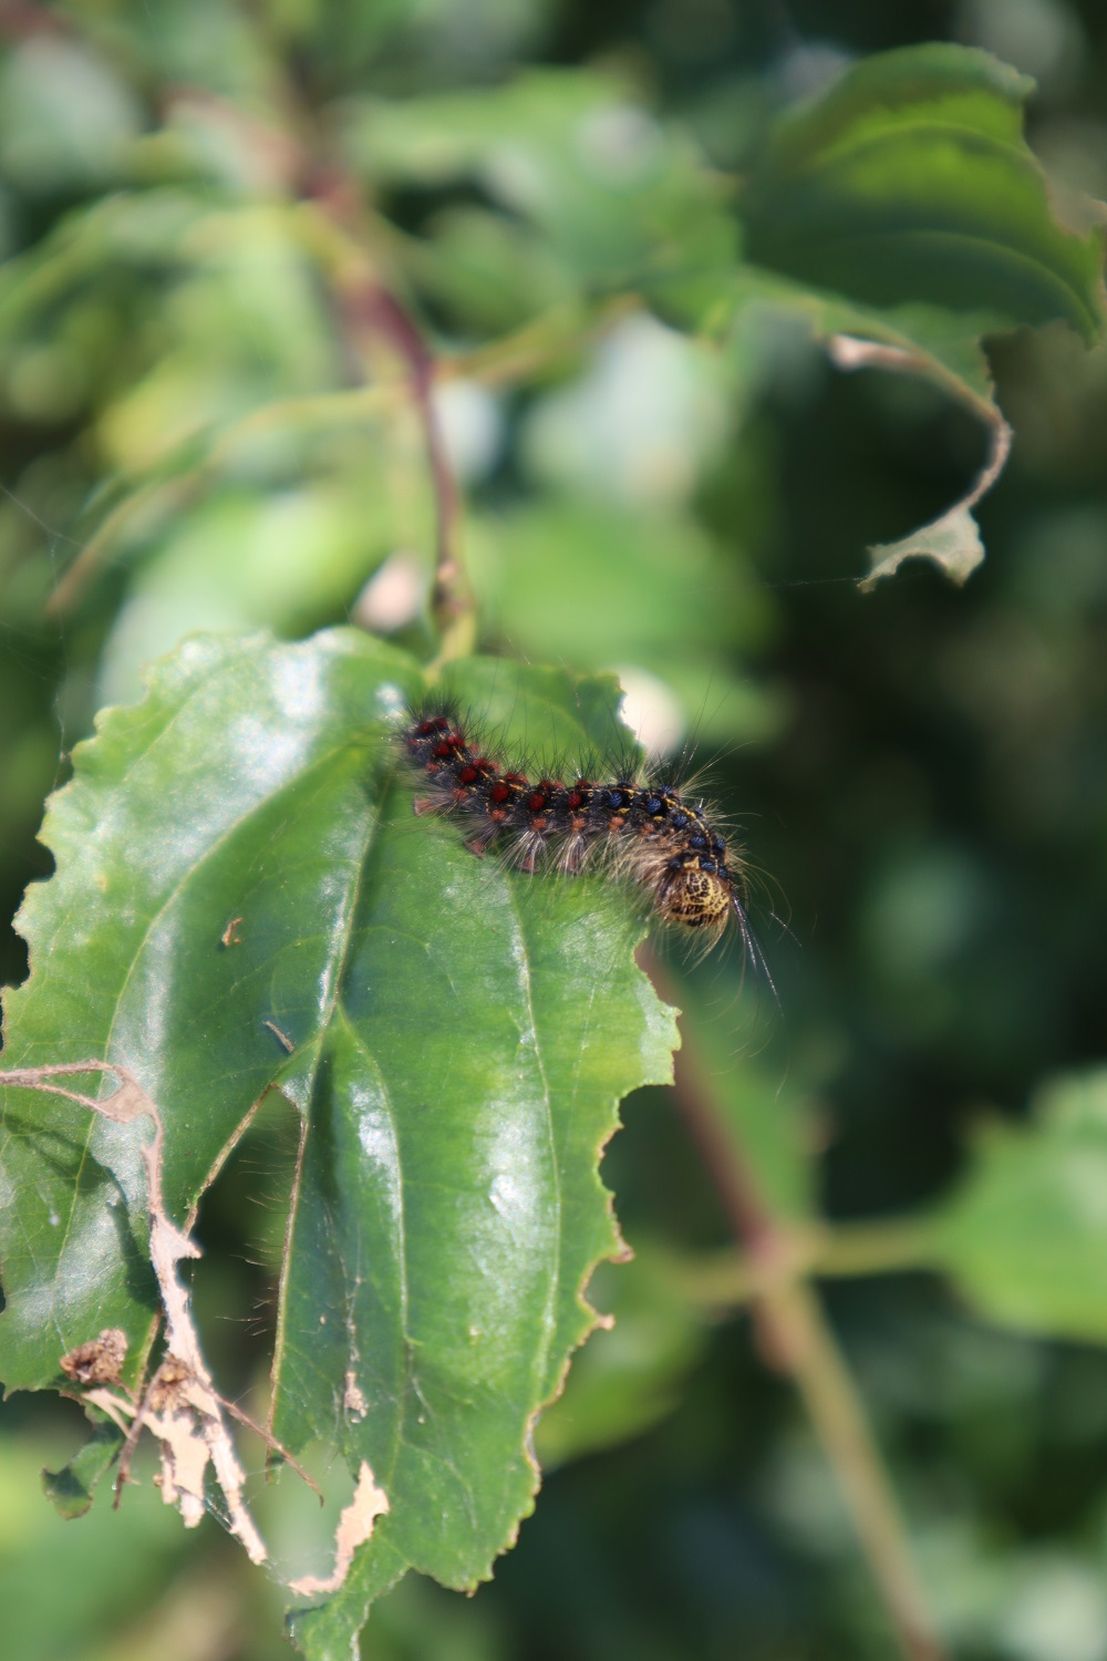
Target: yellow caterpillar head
(697,896)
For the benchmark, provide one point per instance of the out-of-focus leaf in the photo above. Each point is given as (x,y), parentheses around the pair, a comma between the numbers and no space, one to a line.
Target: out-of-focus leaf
(287,560)
(904,216)
(238,322)
(1025,1236)
(191,44)
(67,119)
(65,1585)
(763,1112)
(908,339)
(910,181)
(73,1486)
(645,576)
(629,1377)
(641,426)
(953,542)
(944,347)
(239,871)
(488,269)
(620,197)
(103,241)
(241,324)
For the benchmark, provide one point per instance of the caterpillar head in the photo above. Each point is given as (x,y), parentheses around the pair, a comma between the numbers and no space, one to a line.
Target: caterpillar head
(697,895)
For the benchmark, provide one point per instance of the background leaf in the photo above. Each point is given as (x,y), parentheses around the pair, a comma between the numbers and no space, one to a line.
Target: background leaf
(618,197)
(910,181)
(908,192)
(1025,1236)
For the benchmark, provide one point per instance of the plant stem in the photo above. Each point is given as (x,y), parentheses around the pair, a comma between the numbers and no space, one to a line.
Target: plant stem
(370,312)
(367,305)
(796,1339)
(808,1349)
(875,1248)
(825,1251)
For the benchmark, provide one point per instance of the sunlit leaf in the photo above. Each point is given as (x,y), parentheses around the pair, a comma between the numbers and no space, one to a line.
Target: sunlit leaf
(238,871)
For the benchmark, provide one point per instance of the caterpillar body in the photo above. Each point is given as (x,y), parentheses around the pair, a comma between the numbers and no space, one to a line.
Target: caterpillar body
(649,832)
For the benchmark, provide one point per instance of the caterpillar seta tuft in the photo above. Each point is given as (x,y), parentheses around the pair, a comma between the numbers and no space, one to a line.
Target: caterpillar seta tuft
(644,829)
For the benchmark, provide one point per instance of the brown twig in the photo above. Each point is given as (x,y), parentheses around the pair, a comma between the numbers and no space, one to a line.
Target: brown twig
(796,1338)
(370,311)
(367,305)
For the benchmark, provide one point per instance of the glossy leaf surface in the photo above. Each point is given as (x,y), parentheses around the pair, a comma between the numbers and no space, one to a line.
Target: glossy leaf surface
(238,869)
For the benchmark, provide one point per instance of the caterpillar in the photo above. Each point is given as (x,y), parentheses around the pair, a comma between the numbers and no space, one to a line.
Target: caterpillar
(652,834)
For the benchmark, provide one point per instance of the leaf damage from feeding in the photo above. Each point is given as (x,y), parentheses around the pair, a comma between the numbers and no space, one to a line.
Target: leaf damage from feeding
(355,1526)
(903,216)
(952,540)
(454,1037)
(181,1406)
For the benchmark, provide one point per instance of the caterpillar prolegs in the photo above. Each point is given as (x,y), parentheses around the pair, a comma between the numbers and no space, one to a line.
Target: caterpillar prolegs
(646,831)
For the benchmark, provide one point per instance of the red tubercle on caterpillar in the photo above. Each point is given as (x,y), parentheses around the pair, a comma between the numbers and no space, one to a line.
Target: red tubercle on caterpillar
(437,723)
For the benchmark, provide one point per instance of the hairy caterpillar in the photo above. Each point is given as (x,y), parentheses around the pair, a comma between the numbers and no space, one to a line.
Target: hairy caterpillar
(651,833)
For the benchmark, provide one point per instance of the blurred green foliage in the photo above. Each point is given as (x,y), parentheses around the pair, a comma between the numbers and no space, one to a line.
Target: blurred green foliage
(666,483)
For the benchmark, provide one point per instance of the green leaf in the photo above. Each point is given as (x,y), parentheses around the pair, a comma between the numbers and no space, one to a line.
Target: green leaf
(73,1589)
(1025,1236)
(73,1486)
(241,559)
(910,181)
(238,868)
(142,231)
(909,340)
(68,119)
(615,194)
(902,216)
(646,575)
(489,270)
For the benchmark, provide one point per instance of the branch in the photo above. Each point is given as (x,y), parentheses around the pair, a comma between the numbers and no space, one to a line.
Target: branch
(796,1339)
(368,306)
(824,1251)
